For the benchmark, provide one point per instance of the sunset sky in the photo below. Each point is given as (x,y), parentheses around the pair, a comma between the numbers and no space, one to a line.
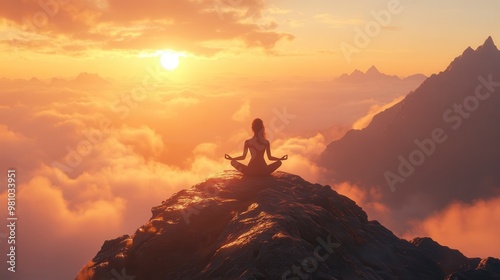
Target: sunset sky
(248,38)
(146,132)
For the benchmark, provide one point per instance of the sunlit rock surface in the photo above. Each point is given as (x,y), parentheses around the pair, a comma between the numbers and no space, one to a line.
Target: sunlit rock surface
(277,227)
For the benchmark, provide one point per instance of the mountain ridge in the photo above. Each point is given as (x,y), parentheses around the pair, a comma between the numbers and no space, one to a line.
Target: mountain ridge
(276,227)
(394,131)
(438,145)
(374,75)
(82,79)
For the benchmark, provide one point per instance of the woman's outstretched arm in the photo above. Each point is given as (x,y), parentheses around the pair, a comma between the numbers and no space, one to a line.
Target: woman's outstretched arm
(242,157)
(270,157)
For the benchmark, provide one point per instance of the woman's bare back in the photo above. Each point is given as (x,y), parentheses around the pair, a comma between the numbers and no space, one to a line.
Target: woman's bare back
(258,146)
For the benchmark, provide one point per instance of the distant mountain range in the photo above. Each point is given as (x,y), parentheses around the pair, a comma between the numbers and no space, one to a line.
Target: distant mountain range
(374,75)
(276,227)
(439,144)
(89,79)
(83,79)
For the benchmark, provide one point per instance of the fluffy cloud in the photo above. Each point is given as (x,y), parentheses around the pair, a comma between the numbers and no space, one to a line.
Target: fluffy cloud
(58,230)
(143,140)
(467,227)
(302,152)
(473,228)
(107,188)
(243,114)
(189,25)
(368,200)
(374,110)
(81,184)
(205,149)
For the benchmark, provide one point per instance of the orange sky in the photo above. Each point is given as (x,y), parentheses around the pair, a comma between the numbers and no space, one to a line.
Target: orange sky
(280,38)
(239,60)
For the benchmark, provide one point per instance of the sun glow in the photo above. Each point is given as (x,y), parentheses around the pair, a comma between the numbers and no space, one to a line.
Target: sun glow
(170,60)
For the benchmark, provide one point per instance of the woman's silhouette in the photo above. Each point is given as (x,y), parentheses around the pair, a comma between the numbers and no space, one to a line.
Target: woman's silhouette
(258,145)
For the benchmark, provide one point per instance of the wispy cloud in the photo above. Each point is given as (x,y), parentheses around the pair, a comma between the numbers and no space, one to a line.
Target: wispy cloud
(66,26)
(335,21)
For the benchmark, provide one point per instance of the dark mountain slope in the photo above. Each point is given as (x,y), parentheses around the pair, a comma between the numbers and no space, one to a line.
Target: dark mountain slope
(438,145)
(279,227)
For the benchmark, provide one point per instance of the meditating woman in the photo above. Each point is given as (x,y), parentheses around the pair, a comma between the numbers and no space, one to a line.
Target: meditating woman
(258,145)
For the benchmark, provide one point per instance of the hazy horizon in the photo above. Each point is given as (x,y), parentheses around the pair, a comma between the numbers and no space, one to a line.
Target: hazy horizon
(177,86)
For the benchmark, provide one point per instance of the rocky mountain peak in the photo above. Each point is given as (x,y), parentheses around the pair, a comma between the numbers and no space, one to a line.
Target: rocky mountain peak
(276,227)
(472,59)
(373,71)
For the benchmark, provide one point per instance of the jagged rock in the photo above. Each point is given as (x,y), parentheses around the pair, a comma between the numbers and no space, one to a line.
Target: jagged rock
(373,75)
(450,260)
(425,149)
(487,269)
(276,227)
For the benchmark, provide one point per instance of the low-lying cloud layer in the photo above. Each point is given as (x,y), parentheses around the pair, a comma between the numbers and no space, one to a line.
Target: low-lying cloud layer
(471,228)
(474,228)
(91,162)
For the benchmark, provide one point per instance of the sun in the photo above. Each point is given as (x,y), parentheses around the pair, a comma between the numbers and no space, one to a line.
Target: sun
(169,60)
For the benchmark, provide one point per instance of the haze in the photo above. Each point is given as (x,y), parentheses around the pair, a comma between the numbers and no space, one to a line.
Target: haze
(99,132)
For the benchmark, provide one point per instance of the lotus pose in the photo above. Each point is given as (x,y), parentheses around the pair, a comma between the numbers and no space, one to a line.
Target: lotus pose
(258,145)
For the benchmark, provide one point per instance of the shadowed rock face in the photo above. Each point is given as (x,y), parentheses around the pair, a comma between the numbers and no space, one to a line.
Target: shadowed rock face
(487,269)
(449,260)
(276,227)
(438,145)
(456,265)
